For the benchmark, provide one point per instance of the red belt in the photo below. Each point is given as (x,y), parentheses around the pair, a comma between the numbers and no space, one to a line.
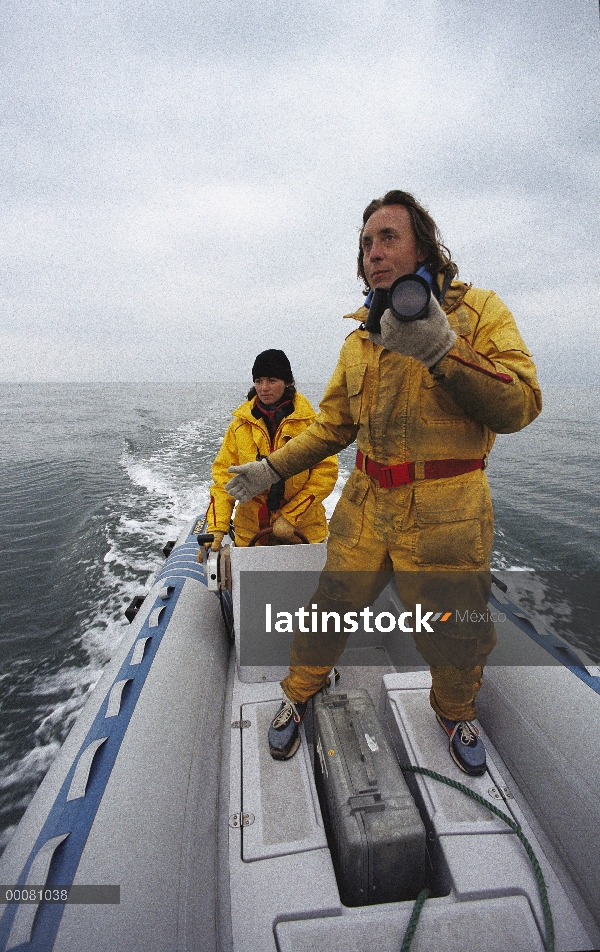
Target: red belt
(388,476)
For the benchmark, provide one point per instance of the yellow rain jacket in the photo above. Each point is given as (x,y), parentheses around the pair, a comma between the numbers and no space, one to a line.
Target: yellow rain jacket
(246,440)
(398,411)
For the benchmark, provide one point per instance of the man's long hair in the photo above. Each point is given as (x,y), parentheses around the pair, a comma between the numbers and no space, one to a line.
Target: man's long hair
(425,230)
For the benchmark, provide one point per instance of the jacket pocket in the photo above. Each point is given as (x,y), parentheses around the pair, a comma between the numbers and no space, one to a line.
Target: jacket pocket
(347,520)
(355,381)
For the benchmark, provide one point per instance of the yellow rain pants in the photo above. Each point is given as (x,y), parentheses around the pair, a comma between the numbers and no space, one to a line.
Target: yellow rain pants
(375,531)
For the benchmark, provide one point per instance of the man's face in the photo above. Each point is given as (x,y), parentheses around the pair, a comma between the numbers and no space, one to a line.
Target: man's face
(389,246)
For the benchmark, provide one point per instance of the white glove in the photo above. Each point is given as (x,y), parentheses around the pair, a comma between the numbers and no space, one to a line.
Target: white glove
(427,340)
(251,479)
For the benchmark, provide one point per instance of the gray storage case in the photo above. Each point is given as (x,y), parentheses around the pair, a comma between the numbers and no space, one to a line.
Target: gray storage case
(375,832)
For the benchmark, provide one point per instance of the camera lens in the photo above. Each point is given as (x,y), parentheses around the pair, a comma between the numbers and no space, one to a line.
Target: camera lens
(409,297)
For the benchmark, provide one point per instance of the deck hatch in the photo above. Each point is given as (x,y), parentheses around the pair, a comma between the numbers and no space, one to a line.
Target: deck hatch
(280,794)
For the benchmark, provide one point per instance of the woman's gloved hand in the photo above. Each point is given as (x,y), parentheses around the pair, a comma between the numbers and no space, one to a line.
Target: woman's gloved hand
(215,545)
(251,479)
(427,340)
(283,529)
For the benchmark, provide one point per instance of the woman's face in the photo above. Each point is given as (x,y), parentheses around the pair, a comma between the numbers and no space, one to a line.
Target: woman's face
(269,389)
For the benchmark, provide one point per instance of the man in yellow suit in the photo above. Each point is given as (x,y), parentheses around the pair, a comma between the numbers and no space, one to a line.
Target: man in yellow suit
(424,400)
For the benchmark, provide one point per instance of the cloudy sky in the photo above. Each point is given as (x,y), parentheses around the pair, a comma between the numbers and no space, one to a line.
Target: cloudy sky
(183,180)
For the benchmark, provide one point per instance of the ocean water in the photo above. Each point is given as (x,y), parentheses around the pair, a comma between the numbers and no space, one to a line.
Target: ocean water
(95,479)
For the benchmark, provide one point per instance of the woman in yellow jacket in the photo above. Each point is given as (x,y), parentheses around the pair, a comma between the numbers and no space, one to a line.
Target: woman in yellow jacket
(273,413)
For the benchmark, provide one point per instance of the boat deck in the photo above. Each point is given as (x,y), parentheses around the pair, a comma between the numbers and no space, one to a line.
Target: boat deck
(279,862)
(482,880)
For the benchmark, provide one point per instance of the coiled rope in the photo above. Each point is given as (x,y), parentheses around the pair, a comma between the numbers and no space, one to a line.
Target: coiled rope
(549,942)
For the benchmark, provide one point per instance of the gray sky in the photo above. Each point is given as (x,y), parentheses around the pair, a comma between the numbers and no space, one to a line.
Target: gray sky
(183,180)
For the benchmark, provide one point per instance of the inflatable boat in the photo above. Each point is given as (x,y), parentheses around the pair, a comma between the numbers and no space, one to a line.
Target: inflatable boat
(164,824)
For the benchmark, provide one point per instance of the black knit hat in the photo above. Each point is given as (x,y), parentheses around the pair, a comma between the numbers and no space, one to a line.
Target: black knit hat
(272,363)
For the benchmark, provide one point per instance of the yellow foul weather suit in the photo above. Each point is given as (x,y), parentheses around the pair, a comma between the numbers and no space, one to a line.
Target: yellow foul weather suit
(399,412)
(246,440)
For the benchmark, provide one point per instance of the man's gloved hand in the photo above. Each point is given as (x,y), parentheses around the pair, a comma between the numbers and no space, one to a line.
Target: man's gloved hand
(283,529)
(251,479)
(427,340)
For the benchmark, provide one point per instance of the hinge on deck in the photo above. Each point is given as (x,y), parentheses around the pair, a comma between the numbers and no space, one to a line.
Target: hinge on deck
(241,819)
(500,794)
(239,725)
